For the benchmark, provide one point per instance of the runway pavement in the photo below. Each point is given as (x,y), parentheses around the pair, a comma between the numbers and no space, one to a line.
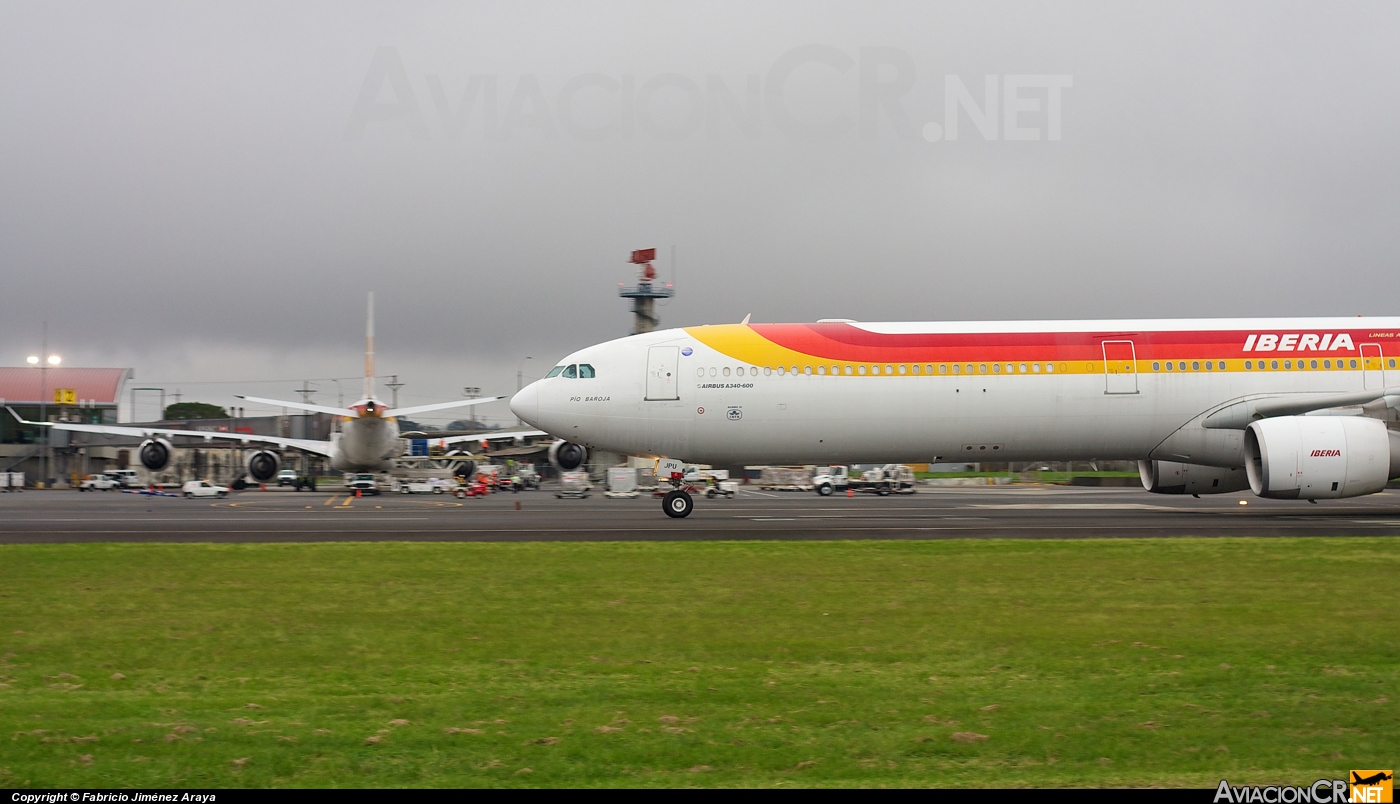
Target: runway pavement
(936,513)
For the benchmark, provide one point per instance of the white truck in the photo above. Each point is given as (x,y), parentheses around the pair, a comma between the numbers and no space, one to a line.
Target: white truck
(892,478)
(430,486)
(99,483)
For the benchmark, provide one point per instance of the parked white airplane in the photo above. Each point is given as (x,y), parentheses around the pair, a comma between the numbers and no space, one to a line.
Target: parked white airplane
(368,439)
(1290,408)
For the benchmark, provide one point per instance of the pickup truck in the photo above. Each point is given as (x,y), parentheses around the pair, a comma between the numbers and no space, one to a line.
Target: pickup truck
(99,483)
(363,482)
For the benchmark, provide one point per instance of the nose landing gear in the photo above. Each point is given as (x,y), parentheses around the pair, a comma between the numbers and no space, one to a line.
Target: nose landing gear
(677,504)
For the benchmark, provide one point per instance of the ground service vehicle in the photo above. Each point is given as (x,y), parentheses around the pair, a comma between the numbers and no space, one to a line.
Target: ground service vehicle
(420,487)
(202,488)
(126,477)
(475,488)
(286,477)
(892,478)
(363,482)
(1303,405)
(99,483)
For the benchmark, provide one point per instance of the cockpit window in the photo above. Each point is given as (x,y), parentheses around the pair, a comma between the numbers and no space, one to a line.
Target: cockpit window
(585,371)
(571,373)
(554,372)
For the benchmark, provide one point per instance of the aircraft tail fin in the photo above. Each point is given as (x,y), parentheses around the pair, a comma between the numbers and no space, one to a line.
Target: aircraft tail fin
(369,349)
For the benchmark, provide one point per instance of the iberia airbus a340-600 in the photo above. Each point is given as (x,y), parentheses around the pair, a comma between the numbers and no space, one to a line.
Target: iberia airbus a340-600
(1290,408)
(368,439)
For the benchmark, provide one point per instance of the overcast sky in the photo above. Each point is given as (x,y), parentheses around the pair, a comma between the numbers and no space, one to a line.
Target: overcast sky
(205,192)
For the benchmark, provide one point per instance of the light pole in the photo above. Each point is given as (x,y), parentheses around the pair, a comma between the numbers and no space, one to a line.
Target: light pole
(43,361)
(520,383)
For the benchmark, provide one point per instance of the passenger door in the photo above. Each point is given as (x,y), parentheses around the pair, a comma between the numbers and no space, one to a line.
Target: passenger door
(1372,370)
(1120,367)
(662,372)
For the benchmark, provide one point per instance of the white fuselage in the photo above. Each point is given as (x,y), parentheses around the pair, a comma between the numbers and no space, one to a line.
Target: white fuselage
(962,391)
(365,444)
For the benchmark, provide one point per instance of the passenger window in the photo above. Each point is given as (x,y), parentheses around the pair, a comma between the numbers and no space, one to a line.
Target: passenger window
(1288,364)
(860,369)
(1156,366)
(1327,364)
(971,369)
(943,368)
(903,369)
(1035,368)
(996,368)
(571,373)
(874,369)
(1353,364)
(1392,362)
(821,370)
(781,371)
(767,372)
(1312,364)
(726,371)
(848,371)
(1049,368)
(807,370)
(1273,364)
(1209,365)
(983,368)
(889,369)
(554,372)
(794,369)
(585,372)
(713,371)
(700,372)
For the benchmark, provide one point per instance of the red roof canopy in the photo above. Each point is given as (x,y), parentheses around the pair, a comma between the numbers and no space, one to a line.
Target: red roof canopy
(21,385)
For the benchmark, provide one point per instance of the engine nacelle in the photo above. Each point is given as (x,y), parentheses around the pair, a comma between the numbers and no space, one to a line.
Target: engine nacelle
(1170,477)
(156,454)
(1319,457)
(263,465)
(567,457)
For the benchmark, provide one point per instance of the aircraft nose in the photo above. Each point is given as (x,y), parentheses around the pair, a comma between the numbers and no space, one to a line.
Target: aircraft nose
(526,404)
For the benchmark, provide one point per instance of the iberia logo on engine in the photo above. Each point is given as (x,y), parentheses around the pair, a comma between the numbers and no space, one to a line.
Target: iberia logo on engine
(1372,786)
(1326,453)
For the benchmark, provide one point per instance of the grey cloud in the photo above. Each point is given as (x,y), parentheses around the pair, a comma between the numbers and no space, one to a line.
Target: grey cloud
(188,182)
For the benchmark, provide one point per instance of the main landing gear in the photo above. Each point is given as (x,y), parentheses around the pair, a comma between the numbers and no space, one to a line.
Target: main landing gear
(677,504)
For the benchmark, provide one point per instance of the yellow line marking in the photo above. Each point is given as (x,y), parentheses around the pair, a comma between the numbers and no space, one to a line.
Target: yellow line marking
(330,499)
(348,498)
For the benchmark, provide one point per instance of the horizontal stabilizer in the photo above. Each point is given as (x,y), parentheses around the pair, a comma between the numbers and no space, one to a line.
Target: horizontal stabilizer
(410,411)
(299,405)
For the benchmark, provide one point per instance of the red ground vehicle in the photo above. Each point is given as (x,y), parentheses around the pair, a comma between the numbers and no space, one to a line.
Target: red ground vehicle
(476,488)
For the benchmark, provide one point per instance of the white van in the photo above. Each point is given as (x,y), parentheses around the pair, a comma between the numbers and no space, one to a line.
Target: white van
(126,477)
(202,488)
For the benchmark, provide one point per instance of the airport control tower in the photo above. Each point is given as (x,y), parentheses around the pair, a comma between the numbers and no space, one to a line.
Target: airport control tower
(645,293)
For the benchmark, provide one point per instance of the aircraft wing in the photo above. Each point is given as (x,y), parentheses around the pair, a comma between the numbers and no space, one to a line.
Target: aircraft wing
(300,405)
(1238,415)
(492,436)
(410,411)
(307,444)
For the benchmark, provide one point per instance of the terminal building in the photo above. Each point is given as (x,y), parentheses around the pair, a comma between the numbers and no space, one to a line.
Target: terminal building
(57,393)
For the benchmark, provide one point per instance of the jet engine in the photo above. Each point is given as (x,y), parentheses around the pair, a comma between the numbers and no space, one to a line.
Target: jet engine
(1170,477)
(1319,457)
(567,457)
(156,454)
(263,465)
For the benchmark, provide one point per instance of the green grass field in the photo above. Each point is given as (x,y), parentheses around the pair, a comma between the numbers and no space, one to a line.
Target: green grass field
(986,663)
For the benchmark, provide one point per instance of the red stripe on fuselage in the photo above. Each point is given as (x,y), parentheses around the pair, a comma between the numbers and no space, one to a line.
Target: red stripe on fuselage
(835,341)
